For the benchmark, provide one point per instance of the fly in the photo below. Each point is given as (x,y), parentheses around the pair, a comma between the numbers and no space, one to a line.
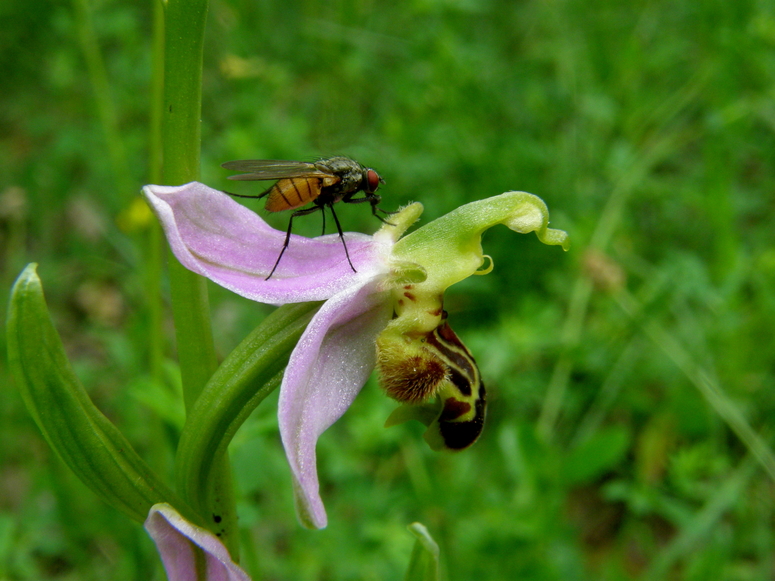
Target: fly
(322,183)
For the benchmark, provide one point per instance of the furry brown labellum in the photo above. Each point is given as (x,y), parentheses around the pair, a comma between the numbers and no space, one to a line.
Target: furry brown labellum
(411,378)
(414,371)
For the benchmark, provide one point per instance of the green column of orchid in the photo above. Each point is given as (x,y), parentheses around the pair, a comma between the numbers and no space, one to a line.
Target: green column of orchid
(181,135)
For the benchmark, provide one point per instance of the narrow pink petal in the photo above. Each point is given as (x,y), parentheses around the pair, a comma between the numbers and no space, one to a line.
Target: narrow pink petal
(217,237)
(327,369)
(175,539)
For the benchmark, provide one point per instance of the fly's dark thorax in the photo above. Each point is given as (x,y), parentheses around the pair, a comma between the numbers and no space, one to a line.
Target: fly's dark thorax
(350,173)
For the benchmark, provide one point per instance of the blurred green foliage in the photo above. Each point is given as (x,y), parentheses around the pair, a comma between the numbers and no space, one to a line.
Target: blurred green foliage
(630,380)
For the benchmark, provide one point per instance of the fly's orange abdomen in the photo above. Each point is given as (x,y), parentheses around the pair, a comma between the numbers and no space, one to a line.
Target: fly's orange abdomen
(291,193)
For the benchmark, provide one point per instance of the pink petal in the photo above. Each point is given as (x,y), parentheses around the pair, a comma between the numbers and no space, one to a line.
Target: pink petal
(327,369)
(215,236)
(175,539)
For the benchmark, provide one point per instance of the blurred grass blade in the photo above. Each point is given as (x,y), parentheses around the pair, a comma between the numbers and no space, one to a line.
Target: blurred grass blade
(707,385)
(79,433)
(106,110)
(704,522)
(424,563)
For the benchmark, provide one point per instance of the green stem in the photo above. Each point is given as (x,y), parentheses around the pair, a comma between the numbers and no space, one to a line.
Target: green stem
(184,36)
(154,240)
(181,136)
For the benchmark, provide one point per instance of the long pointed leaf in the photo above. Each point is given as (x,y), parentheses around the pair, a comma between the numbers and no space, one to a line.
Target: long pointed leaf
(77,431)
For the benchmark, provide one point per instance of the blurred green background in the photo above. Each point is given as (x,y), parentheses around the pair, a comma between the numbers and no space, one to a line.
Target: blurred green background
(630,380)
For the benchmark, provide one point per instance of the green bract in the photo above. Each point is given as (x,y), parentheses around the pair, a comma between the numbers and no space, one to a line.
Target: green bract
(249,373)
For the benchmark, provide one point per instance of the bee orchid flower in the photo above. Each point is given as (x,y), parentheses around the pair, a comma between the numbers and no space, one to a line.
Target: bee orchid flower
(387,313)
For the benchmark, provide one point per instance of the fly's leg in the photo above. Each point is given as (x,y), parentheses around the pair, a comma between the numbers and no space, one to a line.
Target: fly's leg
(341,237)
(288,234)
(254,197)
(372,199)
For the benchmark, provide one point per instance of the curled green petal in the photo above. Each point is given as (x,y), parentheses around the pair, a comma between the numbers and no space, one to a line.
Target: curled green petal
(450,247)
(78,432)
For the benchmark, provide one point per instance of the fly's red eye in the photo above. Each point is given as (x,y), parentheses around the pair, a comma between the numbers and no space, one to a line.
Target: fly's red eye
(372,180)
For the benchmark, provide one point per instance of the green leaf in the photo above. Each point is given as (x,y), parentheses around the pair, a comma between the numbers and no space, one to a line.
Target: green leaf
(424,564)
(78,432)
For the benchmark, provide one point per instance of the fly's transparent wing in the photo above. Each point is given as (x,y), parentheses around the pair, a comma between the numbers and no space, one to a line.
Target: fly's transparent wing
(272,169)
